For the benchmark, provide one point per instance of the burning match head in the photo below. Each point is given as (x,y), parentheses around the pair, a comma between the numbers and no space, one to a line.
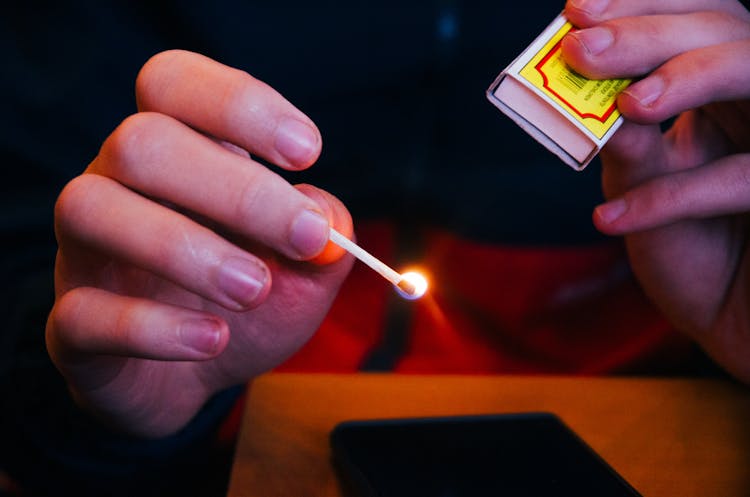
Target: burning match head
(407,286)
(412,285)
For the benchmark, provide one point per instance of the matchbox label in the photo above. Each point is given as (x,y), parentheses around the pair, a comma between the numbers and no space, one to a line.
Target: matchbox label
(590,102)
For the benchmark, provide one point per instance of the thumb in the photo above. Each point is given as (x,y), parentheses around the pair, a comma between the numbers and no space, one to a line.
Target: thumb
(338,218)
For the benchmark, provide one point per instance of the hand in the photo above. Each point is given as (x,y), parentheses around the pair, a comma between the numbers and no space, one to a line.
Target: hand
(680,197)
(181,265)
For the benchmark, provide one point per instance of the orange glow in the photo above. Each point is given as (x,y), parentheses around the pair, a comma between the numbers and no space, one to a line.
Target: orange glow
(419,282)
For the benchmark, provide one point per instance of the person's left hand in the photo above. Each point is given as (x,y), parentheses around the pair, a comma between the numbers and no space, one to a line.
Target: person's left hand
(681,197)
(184,264)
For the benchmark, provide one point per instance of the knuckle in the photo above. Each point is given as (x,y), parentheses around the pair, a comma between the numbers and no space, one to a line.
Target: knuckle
(741,177)
(239,92)
(126,324)
(62,324)
(76,201)
(670,192)
(250,198)
(136,142)
(658,199)
(84,320)
(179,246)
(155,75)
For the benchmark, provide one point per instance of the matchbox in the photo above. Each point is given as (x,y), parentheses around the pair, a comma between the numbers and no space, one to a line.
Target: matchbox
(569,114)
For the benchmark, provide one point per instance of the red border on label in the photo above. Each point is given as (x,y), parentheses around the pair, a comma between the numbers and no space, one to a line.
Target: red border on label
(603,118)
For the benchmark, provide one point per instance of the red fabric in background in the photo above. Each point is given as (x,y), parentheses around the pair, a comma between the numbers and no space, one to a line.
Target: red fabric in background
(494,309)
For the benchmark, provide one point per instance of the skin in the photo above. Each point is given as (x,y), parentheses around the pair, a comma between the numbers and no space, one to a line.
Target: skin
(680,197)
(225,280)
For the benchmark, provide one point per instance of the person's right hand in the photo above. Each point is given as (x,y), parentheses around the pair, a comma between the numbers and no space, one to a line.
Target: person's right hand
(183,264)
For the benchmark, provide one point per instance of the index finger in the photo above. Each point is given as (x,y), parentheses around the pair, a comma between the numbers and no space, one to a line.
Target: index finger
(230,105)
(633,46)
(586,13)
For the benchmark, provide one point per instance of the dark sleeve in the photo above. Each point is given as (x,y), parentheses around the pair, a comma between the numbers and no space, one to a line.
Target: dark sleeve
(52,448)
(48,446)
(68,73)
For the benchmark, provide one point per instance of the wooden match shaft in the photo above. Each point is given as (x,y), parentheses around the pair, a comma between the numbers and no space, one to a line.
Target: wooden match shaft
(375,264)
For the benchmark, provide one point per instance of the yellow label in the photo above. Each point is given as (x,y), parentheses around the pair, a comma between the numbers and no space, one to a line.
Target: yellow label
(590,102)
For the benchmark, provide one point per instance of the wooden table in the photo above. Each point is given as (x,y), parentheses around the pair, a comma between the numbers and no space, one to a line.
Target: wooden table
(667,437)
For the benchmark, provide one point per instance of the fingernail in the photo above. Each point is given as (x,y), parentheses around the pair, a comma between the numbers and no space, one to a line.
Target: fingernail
(309,234)
(612,210)
(595,40)
(201,335)
(591,7)
(296,141)
(646,91)
(241,280)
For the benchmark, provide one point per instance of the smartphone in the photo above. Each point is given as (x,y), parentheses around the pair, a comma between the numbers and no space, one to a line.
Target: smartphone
(508,455)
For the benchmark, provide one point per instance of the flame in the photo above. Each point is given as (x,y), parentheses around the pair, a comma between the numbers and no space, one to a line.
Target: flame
(418,280)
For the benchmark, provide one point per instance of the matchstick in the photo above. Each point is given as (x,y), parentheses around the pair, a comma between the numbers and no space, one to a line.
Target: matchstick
(408,287)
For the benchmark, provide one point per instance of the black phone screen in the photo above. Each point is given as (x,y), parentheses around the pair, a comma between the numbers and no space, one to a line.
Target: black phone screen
(509,455)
